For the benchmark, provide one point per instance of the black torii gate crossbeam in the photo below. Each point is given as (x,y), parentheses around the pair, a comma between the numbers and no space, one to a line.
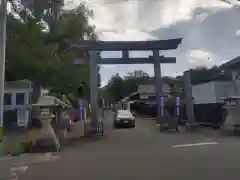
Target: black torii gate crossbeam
(126,45)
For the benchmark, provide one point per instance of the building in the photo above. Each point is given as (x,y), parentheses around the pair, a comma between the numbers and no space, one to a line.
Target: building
(147,94)
(212,91)
(17,101)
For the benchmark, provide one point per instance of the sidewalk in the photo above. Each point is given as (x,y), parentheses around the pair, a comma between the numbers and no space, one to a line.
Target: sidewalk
(8,162)
(20,163)
(8,142)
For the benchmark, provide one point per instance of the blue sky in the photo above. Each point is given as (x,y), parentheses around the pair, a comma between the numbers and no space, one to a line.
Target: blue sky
(209,28)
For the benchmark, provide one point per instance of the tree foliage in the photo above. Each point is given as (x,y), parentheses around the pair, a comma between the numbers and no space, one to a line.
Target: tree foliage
(38,53)
(118,87)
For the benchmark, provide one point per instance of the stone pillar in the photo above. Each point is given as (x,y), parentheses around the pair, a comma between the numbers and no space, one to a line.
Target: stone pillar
(158,83)
(94,57)
(189,99)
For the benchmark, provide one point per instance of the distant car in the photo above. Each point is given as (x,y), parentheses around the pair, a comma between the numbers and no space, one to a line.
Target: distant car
(124,118)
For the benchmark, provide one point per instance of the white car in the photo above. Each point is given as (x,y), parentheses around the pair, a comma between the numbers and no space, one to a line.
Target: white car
(124,117)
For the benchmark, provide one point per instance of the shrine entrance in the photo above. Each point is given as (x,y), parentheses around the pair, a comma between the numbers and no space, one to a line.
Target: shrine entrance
(95,47)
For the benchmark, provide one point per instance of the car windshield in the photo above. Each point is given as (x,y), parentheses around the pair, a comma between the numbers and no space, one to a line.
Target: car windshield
(124,113)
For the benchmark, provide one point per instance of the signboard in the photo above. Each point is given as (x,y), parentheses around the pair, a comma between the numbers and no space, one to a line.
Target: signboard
(162,104)
(177,101)
(161,101)
(178,105)
(81,109)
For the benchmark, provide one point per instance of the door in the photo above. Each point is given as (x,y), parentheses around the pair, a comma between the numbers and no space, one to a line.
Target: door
(22,117)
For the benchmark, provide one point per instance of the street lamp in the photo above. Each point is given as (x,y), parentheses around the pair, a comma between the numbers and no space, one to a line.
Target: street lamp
(3,19)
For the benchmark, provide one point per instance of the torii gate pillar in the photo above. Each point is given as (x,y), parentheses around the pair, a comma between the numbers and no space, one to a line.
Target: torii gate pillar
(158,84)
(94,57)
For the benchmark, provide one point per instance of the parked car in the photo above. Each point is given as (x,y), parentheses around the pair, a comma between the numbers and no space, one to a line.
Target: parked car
(124,118)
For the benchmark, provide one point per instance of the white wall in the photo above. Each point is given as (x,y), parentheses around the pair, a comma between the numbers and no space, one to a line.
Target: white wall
(211,92)
(223,89)
(204,93)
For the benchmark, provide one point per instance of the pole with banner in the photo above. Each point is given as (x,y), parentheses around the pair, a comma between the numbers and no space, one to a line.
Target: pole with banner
(3,19)
(162,104)
(81,110)
(177,105)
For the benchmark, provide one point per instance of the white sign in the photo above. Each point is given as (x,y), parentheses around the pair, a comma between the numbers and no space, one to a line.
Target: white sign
(162,101)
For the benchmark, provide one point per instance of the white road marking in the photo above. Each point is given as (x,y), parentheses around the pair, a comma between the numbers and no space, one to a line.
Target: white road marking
(14,171)
(19,169)
(196,144)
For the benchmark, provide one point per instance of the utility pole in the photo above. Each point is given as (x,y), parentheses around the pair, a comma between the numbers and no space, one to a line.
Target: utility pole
(3,19)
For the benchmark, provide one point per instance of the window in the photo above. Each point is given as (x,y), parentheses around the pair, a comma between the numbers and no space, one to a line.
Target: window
(7,99)
(20,99)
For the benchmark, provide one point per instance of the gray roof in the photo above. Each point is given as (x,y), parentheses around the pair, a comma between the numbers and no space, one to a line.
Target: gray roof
(150,89)
(21,84)
(231,62)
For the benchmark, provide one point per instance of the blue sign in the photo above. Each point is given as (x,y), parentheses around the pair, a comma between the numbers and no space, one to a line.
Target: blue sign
(161,101)
(81,109)
(177,101)
(178,105)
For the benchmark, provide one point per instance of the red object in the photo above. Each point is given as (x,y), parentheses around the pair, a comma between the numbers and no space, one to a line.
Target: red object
(70,115)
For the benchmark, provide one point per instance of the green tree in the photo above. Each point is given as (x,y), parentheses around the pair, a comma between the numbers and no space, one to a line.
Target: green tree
(118,87)
(39,55)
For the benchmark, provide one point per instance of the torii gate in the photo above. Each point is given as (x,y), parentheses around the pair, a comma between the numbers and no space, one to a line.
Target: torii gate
(94,47)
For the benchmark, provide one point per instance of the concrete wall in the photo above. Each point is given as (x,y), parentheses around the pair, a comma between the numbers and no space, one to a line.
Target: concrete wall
(223,89)
(204,93)
(211,92)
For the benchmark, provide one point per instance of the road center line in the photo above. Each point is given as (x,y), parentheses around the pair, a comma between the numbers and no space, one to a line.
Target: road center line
(196,144)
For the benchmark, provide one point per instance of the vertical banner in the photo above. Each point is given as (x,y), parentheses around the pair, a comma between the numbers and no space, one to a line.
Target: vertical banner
(162,104)
(178,105)
(81,110)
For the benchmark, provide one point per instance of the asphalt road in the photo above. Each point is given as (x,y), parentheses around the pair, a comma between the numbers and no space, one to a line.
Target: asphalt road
(144,153)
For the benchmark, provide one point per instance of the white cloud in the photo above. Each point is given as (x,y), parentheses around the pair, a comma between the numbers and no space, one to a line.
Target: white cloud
(125,35)
(146,15)
(238,33)
(200,57)
(207,28)
(199,54)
